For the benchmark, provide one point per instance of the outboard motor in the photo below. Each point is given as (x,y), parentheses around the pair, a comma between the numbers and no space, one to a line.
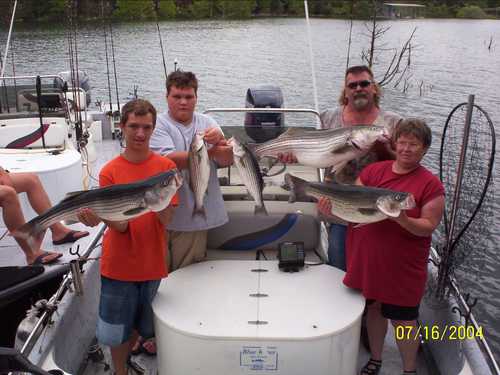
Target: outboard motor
(82,77)
(262,127)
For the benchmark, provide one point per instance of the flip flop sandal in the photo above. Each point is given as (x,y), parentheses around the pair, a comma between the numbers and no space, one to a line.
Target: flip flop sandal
(71,237)
(39,260)
(372,367)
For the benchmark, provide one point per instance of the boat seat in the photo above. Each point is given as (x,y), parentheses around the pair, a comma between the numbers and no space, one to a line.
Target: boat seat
(19,132)
(246,231)
(51,101)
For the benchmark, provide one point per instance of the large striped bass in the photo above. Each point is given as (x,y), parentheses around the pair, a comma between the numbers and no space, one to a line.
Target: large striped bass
(199,172)
(323,148)
(352,203)
(249,171)
(115,203)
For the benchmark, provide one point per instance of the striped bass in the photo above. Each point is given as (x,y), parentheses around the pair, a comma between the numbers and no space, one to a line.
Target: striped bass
(115,203)
(199,172)
(352,203)
(249,171)
(323,148)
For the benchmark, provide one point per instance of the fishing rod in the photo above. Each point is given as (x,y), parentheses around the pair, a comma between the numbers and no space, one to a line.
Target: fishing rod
(4,91)
(321,172)
(75,81)
(311,59)
(114,65)
(14,76)
(350,35)
(8,39)
(39,102)
(107,58)
(157,9)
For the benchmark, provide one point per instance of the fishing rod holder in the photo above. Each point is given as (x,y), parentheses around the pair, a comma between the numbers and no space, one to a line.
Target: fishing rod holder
(76,276)
(469,307)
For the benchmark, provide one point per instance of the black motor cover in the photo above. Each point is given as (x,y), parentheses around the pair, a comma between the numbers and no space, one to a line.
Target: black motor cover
(262,127)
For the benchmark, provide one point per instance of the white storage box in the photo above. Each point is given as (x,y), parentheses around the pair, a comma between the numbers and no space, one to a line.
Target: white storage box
(206,314)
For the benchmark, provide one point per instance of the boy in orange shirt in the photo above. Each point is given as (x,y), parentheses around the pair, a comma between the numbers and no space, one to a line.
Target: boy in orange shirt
(133,257)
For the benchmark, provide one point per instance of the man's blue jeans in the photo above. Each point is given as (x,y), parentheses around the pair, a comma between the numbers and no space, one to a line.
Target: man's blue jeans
(336,246)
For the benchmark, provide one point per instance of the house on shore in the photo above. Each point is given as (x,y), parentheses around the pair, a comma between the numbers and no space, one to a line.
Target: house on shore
(402,10)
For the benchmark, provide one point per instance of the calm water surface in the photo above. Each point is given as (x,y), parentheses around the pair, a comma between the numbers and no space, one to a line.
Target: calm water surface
(450,60)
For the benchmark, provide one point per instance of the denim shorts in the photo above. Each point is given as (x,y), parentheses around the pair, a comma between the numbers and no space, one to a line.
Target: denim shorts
(125,306)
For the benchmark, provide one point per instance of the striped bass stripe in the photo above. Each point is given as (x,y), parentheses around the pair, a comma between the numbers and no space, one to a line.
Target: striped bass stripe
(255,184)
(199,170)
(316,142)
(101,208)
(312,146)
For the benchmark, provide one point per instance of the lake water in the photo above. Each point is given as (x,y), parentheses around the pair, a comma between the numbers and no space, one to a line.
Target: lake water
(450,60)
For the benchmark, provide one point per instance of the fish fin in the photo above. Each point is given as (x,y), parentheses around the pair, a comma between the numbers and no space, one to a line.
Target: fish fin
(387,209)
(338,167)
(250,147)
(260,210)
(199,211)
(297,188)
(25,231)
(31,233)
(134,211)
(72,194)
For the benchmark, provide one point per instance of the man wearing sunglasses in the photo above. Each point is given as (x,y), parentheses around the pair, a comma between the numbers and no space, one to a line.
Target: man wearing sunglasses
(359,105)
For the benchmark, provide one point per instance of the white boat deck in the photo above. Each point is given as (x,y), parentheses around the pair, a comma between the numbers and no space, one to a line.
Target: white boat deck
(12,255)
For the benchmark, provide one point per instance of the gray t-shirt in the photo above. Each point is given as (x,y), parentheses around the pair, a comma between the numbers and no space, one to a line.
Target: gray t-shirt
(332,119)
(169,136)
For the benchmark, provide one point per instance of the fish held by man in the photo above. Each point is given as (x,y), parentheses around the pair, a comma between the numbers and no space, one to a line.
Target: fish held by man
(323,148)
(250,173)
(114,203)
(199,172)
(352,203)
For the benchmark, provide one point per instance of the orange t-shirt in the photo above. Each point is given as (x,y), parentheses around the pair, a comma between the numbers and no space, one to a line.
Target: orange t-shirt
(138,254)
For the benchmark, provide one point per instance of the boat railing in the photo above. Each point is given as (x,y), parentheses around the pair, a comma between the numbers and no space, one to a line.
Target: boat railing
(45,318)
(264,110)
(471,320)
(75,90)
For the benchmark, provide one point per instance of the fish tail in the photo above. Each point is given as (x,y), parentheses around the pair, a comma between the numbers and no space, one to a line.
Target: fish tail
(30,232)
(297,188)
(261,210)
(251,148)
(199,211)
(25,231)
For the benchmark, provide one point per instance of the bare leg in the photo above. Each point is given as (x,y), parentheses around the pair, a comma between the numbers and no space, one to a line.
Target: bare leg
(408,347)
(120,353)
(13,218)
(377,329)
(30,184)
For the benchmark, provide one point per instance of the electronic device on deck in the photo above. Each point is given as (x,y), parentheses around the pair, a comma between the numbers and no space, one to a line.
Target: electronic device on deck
(291,256)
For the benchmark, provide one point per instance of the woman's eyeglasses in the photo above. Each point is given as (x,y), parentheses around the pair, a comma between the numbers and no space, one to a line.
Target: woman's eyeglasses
(363,84)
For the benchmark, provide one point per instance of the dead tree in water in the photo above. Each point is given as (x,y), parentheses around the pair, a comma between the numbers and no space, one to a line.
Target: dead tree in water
(401,59)
(491,42)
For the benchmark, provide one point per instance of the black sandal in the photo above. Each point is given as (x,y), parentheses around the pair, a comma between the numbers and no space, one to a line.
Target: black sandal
(372,367)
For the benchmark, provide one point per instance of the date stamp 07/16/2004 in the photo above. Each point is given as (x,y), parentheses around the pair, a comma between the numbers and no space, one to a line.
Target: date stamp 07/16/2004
(437,333)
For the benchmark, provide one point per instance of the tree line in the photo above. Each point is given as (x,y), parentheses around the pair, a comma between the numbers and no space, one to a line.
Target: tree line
(34,11)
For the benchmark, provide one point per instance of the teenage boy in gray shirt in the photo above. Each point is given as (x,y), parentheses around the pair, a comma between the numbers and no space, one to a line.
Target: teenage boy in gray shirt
(172,136)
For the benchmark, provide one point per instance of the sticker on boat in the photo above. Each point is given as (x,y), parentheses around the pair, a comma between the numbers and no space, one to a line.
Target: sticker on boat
(259,358)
